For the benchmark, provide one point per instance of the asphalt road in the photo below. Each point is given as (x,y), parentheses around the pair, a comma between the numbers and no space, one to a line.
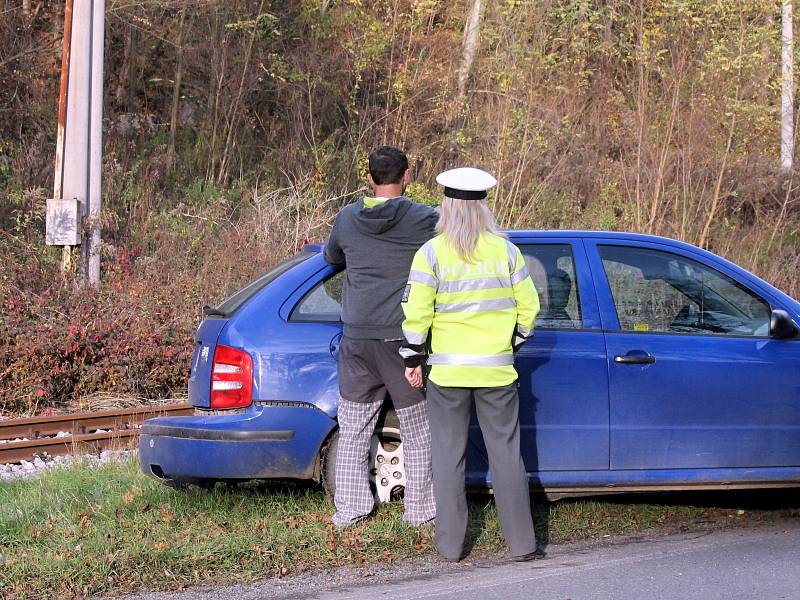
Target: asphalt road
(750,563)
(745,563)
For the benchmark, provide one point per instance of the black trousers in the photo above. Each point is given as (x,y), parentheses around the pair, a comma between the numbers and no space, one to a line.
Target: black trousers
(498,416)
(368,369)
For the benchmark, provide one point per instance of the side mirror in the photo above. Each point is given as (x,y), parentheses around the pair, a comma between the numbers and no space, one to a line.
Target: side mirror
(781,325)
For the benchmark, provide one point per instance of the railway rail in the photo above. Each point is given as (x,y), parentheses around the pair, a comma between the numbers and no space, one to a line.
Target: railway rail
(22,439)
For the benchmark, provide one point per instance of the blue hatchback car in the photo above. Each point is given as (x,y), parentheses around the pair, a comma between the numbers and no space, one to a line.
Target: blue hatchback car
(655,365)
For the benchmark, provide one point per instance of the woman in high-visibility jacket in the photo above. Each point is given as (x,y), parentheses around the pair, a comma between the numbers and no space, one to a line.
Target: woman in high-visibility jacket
(471,300)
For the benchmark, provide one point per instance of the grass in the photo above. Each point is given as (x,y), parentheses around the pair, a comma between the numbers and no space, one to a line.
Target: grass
(86,531)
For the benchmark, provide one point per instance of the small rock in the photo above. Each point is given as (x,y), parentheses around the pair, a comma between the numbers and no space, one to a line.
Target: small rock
(27,466)
(38,462)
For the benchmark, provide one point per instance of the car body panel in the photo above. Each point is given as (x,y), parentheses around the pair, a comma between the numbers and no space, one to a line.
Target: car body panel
(289,363)
(642,479)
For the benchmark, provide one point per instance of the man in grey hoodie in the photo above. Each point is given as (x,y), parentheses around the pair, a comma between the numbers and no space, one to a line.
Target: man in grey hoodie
(376,239)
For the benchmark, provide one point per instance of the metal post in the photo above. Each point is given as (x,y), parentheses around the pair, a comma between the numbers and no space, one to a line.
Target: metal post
(96,141)
(66,253)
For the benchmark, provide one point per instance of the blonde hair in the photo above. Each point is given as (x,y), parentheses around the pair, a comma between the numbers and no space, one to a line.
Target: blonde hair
(462,222)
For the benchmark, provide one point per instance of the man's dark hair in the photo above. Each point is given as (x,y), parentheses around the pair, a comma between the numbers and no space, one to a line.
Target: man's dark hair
(387,165)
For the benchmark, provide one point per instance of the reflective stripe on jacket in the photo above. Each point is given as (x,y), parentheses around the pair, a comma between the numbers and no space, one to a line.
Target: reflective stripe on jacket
(470,310)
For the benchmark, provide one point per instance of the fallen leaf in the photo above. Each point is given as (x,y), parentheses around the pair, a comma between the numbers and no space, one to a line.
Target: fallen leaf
(128,497)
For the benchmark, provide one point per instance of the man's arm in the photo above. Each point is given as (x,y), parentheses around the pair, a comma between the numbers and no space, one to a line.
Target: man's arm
(527,301)
(418,301)
(333,254)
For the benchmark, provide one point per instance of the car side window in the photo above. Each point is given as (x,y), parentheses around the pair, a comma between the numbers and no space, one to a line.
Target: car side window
(323,303)
(552,269)
(659,291)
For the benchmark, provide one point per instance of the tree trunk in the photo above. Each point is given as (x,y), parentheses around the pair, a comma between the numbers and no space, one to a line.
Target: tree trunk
(469,48)
(176,95)
(472,38)
(787,94)
(124,70)
(129,103)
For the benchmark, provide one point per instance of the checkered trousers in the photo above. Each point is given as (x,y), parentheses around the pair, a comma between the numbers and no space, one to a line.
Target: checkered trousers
(416,434)
(353,498)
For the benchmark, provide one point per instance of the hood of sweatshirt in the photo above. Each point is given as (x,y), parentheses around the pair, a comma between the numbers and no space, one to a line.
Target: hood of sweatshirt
(383,217)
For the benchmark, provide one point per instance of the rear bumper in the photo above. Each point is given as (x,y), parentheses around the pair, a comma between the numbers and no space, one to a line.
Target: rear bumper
(269,442)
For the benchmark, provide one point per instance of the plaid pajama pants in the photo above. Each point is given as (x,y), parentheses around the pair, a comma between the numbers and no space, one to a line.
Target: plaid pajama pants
(353,498)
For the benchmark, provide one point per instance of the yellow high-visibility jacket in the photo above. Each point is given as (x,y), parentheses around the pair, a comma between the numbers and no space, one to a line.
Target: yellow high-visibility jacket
(471,311)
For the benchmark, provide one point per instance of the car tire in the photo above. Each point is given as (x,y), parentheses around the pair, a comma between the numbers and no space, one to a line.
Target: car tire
(328,468)
(387,432)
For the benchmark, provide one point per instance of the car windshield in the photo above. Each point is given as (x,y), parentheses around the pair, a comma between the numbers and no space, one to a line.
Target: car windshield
(232,304)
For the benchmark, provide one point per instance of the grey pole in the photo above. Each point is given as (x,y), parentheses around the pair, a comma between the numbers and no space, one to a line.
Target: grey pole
(96,141)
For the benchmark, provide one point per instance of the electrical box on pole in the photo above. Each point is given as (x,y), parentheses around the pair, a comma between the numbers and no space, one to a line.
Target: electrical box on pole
(64,219)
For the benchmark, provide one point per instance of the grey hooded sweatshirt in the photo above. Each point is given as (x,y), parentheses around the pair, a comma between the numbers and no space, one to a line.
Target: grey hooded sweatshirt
(377,246)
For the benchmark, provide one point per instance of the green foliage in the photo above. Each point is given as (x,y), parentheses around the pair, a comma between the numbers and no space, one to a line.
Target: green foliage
(421,193)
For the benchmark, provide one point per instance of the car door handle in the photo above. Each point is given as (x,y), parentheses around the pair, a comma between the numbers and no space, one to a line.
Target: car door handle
(635,359)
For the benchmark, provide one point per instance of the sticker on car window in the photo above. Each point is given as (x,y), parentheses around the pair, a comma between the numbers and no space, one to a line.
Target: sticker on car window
(641,327)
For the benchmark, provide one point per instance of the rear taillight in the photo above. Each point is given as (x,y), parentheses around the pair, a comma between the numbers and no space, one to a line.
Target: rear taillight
(231,378)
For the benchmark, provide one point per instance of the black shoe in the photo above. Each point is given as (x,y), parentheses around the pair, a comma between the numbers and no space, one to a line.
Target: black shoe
(453,560)
(537,554)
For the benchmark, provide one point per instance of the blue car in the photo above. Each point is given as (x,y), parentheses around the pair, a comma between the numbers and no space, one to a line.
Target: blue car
(655,365)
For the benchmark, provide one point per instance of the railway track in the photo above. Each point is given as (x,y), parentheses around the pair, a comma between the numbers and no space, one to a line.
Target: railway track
(78,433)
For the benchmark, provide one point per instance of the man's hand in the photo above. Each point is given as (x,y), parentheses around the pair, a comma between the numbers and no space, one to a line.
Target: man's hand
(414,376)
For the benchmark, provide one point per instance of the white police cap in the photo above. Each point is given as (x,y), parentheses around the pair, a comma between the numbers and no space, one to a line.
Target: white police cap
(466,183)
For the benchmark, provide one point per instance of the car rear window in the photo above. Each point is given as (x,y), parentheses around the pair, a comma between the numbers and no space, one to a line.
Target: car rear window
(232,304)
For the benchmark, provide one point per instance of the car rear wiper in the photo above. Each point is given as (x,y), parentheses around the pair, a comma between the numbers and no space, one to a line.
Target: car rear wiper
(210,311)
